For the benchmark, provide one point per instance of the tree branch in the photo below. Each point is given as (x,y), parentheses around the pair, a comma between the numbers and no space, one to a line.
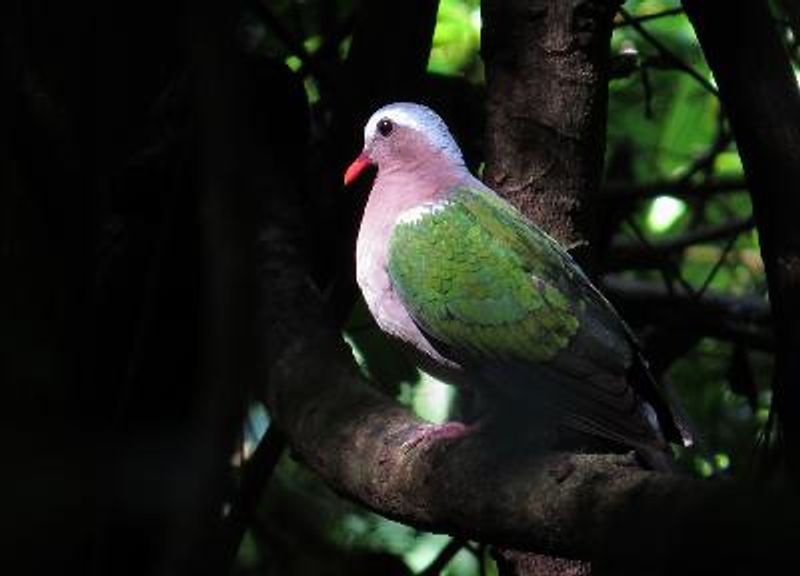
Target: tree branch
(627,255)
(740,319)
(255,475)
(443,558)
(622,191)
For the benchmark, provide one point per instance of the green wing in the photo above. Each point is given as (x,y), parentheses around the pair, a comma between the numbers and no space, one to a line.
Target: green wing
(479,278)
(505,298)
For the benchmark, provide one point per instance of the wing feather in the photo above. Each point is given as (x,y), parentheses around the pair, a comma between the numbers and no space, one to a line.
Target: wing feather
(502,297)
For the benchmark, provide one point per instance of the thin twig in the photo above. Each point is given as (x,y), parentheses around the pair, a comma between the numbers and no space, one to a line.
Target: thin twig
(717,266)
(443,559)
(698,235)
(257,472)
(707,159)
(668,268)
(647,17)
(289,41)
(626,191)
(647,88)
(745,320)
(331,43)
(668,54)
(286,38)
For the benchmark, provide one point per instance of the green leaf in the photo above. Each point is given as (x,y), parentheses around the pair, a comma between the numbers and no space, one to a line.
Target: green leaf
(456,38)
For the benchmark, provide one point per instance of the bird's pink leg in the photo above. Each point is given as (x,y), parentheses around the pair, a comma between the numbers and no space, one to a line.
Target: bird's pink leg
(431,433)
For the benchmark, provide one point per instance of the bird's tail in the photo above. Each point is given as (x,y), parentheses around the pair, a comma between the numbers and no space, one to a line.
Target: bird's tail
(671,419)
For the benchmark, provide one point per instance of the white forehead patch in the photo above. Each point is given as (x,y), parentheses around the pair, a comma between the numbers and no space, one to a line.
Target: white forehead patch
(419,118)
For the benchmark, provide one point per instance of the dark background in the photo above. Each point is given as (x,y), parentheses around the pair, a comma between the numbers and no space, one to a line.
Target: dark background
(143,147)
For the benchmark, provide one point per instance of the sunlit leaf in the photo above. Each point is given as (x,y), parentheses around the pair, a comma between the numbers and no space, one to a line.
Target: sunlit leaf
(432,399)
(664,212)
(456,38)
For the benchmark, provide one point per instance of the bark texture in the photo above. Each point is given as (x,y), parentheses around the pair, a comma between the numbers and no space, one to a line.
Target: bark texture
(546,73)
(760,94)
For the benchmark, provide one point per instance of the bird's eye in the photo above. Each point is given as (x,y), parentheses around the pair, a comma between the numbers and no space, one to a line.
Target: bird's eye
(385,127)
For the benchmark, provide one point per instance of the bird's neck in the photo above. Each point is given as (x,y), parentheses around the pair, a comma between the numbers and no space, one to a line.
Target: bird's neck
(403,186)
(396,190)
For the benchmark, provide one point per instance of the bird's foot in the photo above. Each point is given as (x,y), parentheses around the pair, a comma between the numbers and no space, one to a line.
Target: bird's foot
(432,433)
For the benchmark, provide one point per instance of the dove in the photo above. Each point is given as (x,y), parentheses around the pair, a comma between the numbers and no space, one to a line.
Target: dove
(483,298)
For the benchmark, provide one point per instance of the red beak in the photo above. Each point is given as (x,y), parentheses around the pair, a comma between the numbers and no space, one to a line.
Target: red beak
(356,169)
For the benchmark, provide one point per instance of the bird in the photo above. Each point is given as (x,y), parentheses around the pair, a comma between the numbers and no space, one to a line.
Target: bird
(482,298)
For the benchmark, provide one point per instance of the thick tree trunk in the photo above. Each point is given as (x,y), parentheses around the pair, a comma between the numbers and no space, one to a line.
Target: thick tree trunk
(760,95)
(547,87)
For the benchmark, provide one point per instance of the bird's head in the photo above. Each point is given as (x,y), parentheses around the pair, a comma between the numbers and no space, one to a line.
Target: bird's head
(402,136)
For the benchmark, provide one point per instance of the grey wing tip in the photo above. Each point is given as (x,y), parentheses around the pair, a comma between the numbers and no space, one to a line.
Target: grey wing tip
(670,418)
(687,435)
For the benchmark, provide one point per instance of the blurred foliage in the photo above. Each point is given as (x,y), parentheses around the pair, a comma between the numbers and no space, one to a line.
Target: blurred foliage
(674,125)
(666,129)
(456,39)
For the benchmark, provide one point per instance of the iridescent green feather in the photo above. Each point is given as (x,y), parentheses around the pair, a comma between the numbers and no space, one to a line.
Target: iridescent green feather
(476,276)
